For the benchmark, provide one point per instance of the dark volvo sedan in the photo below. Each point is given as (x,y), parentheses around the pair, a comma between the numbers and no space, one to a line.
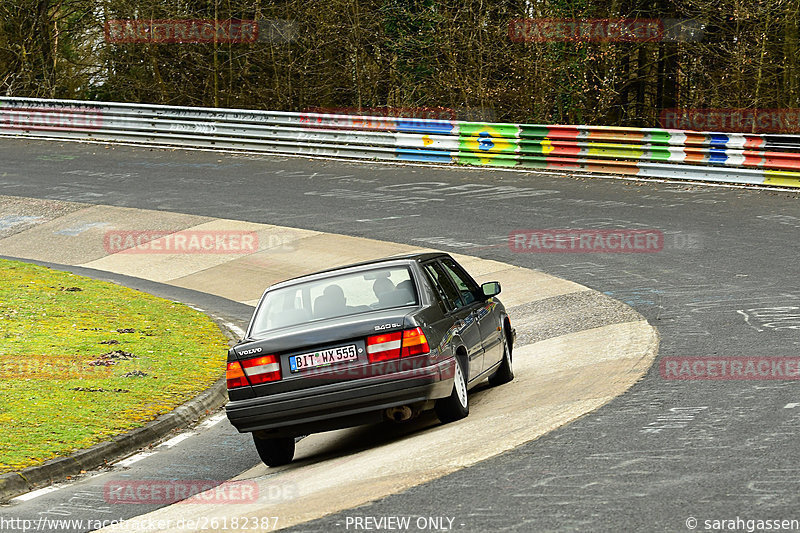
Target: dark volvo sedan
(379,340)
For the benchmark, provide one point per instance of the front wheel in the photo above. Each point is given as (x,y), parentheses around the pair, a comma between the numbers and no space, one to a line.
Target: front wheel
(456,406)
(505,371)
(275,452)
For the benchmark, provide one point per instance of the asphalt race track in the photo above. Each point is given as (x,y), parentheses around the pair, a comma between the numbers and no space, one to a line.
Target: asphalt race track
(725,284)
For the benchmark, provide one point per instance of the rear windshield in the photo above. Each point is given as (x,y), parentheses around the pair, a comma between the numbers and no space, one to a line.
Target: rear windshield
(336,296)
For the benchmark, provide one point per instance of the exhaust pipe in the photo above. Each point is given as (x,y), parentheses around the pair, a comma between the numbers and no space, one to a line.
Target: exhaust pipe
(400,413)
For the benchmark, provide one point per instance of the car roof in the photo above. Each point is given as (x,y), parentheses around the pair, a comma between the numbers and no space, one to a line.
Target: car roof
(364,265)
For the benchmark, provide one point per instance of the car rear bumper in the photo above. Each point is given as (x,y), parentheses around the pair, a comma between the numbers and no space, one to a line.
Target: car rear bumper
(341,404)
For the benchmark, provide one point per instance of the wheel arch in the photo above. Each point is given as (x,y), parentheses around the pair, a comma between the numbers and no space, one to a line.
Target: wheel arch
(509,335)
(460,353)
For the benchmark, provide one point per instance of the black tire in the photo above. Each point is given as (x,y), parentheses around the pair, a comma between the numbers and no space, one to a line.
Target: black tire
(275,452)
(505,372)
(456,406)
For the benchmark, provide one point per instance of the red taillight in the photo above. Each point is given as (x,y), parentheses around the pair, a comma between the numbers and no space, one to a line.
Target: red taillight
(235,375)
(384,346)
(414,343)
(262,369)
(397,344)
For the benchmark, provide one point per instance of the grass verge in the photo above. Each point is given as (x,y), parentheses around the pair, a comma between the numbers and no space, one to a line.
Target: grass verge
(83,360)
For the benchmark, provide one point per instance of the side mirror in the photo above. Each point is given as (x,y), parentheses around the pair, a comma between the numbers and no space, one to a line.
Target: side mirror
(491,288)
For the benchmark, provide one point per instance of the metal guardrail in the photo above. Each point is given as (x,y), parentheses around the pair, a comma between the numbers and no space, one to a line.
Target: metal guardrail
(645,152)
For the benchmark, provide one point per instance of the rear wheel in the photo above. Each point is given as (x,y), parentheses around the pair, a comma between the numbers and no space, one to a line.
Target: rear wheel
(456,406)
(505,371)
(275,452)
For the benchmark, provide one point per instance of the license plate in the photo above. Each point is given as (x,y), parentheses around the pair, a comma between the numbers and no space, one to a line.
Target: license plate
(323,358)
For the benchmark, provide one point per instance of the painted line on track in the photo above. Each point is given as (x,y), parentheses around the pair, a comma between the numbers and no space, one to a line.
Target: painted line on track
(133,459)
(36,493)
(174,441)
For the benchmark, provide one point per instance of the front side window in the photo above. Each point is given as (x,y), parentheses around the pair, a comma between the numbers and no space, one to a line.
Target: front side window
(444,286)
(335,296)
(466,286)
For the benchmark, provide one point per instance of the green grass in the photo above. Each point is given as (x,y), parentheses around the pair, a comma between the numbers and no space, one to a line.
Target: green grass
(50,333)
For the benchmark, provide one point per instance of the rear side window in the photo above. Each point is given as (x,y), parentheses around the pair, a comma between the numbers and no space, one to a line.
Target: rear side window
(443,286)
(335,296)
